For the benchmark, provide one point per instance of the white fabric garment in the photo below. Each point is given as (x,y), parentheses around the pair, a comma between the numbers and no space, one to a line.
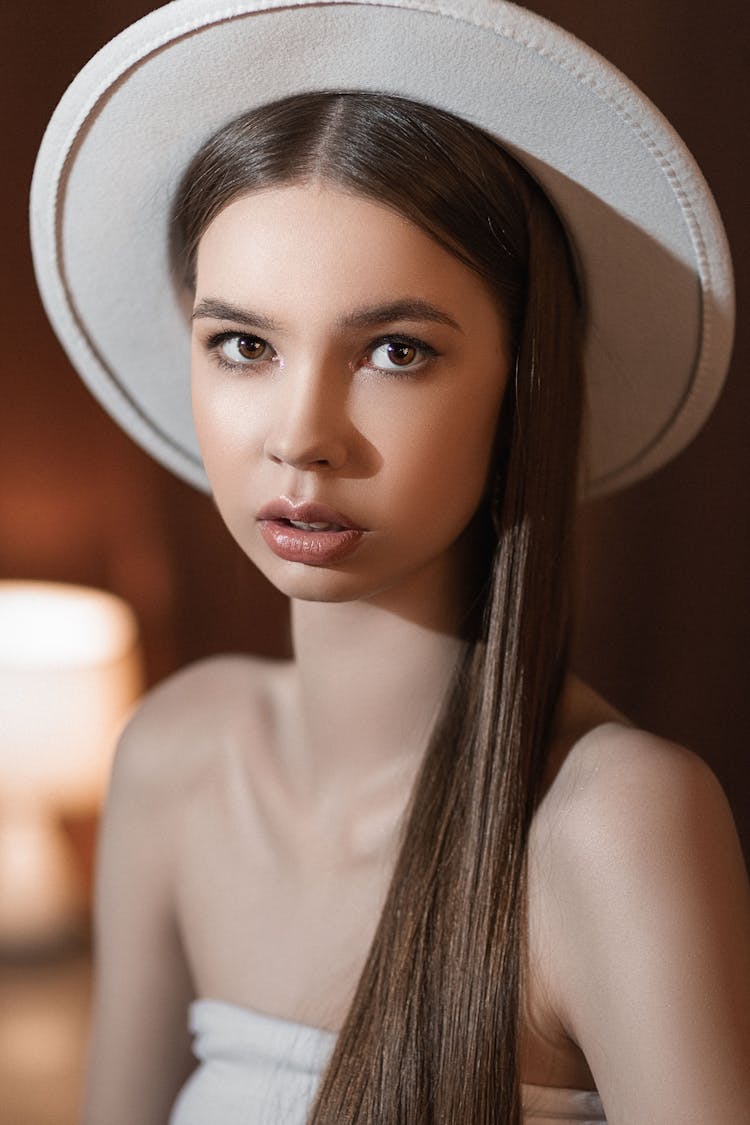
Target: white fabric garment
(259,1070)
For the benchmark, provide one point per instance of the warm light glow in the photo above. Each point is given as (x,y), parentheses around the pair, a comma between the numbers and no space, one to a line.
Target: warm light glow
(43,624)
(37,878)
(69,675)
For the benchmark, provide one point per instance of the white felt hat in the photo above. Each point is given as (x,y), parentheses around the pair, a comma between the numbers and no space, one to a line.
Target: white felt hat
(646,232)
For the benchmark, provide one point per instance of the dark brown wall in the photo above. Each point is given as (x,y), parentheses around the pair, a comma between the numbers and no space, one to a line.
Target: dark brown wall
(665,614)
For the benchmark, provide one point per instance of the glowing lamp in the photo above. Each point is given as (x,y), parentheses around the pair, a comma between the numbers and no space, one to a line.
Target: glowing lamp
(70,672)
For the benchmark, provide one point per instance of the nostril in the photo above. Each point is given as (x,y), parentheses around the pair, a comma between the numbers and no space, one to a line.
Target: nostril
(306,459)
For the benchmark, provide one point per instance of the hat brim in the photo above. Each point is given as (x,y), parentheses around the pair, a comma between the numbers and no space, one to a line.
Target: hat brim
(646,233)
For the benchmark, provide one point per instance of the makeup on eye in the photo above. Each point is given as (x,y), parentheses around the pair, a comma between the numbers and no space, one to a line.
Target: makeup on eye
(240,349)
(395,352)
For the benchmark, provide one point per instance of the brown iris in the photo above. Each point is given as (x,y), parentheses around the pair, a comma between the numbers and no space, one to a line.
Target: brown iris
(401,354)
(251,347)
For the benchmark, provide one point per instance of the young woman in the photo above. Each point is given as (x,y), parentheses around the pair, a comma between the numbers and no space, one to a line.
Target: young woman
(420,873)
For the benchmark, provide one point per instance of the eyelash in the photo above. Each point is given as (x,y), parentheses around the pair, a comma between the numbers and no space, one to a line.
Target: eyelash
(214,347)
(215,343)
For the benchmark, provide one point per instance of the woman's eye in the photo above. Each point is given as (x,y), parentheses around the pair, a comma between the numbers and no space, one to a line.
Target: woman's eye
(241,350)
(399,355)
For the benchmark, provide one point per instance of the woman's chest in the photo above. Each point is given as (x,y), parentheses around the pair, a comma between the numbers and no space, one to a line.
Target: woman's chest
(279,920)
(279,929)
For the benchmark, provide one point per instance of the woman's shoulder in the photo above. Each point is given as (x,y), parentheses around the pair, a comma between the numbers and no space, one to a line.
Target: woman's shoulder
(633,832)
(639,909)
(181,727)
(209,684)
(606,775)
(614,792)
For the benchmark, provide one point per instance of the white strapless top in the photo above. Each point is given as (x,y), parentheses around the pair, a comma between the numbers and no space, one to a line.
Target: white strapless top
(260,1070)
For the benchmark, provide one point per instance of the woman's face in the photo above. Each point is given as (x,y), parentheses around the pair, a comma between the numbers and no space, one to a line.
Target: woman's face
(347,372)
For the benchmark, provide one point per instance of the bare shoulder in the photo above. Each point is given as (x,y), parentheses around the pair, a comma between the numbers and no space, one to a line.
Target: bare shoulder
(619,796)
(180,727)
(631,790)
(641,904)
(175,743)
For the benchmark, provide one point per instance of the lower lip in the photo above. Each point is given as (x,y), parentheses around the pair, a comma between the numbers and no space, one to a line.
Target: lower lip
(316,548)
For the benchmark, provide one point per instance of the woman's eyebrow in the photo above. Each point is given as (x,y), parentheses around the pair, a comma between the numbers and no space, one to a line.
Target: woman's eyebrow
(409,308)
(221,310)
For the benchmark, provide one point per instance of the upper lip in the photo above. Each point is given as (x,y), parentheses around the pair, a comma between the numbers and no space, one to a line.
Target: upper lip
(304,511)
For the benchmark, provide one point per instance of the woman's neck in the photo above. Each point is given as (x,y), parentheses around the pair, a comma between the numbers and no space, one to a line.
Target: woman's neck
(370,678)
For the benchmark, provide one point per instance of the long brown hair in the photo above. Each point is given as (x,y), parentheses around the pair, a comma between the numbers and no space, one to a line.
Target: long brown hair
(432,1033)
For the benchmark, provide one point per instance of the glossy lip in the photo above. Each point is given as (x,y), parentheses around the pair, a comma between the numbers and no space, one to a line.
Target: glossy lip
(315,548)
(305,511)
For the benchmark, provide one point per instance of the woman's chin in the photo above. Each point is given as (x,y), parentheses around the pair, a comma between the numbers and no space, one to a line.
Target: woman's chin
(307,583)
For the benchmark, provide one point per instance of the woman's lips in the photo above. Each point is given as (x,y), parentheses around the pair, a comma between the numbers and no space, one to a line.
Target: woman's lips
(308,532)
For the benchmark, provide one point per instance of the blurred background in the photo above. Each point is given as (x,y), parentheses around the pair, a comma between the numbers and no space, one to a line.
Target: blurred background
(664,623)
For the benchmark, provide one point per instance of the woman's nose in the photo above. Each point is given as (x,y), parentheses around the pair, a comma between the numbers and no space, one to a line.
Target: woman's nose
(309,426)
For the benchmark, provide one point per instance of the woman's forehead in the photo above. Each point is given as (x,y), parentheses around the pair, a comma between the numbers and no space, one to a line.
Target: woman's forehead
(315,246)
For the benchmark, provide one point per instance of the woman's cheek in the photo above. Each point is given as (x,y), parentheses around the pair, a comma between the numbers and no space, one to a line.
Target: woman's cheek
(227,425)
(444,477)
